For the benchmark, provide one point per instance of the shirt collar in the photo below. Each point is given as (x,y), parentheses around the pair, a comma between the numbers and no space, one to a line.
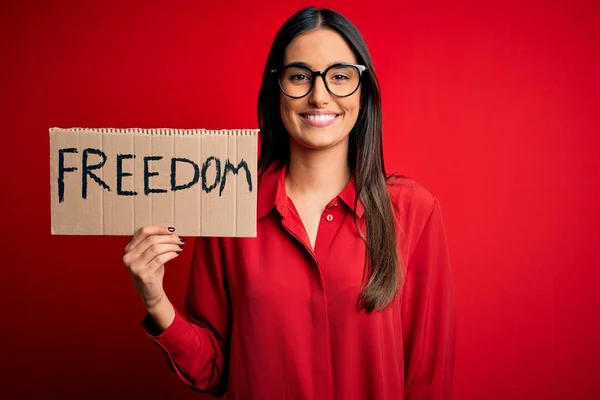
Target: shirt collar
(271,191)
(272,194)
(348,195)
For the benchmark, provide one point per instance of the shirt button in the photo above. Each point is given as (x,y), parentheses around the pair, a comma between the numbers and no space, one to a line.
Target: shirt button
(329,217)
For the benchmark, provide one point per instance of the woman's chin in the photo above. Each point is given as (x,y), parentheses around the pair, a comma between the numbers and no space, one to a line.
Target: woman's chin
(318,142)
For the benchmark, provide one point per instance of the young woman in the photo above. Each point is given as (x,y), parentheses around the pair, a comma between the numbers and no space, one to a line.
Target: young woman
(346,292)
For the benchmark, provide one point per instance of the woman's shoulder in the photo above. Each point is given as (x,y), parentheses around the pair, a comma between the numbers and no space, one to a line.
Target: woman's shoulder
(410,197)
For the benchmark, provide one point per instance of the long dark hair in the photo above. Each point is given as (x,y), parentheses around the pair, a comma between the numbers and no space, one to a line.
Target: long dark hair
(365,153)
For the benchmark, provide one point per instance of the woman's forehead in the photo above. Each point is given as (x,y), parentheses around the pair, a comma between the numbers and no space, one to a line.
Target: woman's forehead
(319,48)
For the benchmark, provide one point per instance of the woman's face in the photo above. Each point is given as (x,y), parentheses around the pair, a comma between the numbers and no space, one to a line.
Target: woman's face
(318,49)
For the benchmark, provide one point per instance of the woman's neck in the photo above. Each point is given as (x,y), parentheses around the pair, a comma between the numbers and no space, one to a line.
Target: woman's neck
(317,174)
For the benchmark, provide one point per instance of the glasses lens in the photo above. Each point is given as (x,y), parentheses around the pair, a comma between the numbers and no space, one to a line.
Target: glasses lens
(296,81)
(343,80)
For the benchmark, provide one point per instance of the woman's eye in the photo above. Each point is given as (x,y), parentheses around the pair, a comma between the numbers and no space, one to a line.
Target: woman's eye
(298,77)
(340,77)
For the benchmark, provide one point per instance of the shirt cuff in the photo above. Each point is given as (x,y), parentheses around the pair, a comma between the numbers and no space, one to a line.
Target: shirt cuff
(171,337)
(177,341)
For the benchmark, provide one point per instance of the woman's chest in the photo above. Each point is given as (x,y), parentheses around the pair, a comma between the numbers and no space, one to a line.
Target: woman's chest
(280,267)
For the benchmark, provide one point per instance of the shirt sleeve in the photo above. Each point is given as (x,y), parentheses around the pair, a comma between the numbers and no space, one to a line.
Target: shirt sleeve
(428,315)
(195,343)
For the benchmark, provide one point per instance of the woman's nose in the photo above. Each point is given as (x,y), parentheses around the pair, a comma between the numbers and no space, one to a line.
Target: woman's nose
(319,94)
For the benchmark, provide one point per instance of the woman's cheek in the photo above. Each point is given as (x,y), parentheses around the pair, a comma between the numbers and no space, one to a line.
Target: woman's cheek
(287,116)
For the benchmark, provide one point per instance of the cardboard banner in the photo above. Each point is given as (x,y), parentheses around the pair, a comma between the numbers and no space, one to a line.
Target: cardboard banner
(114,181)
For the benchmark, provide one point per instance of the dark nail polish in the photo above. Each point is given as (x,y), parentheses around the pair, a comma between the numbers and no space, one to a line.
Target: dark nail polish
(180,246)
(182,239)
(171,229)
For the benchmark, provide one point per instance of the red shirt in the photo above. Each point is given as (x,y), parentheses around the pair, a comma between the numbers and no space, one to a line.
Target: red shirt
(269,318)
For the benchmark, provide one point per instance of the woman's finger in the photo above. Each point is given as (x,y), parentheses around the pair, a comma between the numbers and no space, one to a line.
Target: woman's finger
(144,232)
(161,259)
(156,239)
(157,250)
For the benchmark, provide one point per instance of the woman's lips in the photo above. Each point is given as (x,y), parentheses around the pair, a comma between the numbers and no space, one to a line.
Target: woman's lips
(320,120)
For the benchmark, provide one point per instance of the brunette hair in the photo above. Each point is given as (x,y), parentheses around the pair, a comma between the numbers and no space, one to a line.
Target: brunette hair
(365,153)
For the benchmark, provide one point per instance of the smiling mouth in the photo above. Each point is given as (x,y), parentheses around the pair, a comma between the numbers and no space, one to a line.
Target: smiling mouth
(319,120)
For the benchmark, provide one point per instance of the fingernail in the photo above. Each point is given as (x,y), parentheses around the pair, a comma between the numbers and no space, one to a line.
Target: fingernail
(182,239)
(171,229)
(180,246)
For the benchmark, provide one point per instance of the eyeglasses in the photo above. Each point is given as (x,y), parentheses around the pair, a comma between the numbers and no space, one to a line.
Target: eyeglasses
(341,80)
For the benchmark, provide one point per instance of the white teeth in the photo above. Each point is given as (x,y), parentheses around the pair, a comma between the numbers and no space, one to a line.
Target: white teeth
(322,117)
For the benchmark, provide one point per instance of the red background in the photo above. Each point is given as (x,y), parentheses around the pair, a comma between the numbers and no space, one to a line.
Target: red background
(493,106)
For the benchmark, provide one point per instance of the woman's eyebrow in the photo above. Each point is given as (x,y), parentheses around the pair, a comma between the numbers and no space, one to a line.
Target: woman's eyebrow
(306,65)
(298,64)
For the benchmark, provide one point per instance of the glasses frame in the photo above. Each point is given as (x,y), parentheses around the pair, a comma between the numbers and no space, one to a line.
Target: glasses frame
(315,74)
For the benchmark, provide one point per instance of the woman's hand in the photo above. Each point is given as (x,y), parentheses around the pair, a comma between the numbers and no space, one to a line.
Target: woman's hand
(145,256)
